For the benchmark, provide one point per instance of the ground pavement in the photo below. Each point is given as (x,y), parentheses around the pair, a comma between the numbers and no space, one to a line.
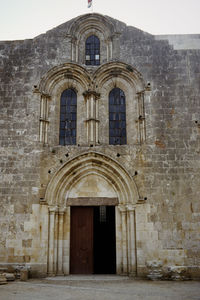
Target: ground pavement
(96,287)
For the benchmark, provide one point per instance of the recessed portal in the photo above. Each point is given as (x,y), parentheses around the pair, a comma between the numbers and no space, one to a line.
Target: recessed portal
(93,243)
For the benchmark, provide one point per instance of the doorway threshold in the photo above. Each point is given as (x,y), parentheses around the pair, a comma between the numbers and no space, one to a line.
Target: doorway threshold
(92,277)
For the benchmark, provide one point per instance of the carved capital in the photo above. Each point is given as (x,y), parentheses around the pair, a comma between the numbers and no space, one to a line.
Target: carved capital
(89,93)
(130,207)
(62,210)
(122,208)
(53,209)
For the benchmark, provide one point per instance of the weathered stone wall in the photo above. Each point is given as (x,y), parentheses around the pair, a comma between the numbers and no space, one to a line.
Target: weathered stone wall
(167,164)
(181,41)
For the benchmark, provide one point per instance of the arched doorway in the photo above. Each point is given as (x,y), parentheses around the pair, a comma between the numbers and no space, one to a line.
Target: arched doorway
(92,202)
(91,181)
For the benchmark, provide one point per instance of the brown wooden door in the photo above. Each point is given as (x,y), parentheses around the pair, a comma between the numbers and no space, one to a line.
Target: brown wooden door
(81,243)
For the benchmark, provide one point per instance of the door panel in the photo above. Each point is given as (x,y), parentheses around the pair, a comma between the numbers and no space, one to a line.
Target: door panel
(81,246)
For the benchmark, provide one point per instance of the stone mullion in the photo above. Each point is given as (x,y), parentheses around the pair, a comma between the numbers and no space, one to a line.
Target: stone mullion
(92,117)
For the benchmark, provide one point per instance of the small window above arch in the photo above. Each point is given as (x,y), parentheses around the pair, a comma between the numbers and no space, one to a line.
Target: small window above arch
(92,51)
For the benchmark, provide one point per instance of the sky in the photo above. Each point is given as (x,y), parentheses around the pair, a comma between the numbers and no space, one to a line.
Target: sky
(24,19)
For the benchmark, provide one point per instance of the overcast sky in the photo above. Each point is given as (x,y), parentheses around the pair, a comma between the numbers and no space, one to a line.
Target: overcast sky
(21,19)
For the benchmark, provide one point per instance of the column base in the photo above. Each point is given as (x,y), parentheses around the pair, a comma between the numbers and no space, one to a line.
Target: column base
(51,274)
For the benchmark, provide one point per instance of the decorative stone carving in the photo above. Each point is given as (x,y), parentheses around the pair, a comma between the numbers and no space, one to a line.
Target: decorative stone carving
(10,276)
(177,272)
(155,270)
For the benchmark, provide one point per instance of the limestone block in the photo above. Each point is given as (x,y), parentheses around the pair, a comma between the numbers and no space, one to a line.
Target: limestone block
(3,279)
(10,276)
(24,274)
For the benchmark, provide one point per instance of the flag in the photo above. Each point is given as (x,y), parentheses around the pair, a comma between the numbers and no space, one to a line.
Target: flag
(89,3)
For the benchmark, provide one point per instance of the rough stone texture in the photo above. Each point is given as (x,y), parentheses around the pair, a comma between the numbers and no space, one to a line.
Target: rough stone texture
(182,41)
(167,162)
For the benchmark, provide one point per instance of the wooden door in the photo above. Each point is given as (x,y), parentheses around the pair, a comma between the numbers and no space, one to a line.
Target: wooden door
(81,243)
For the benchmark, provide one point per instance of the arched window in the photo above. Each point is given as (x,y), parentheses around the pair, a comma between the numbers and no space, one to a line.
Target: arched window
(92,51)
(117,117)
(68,107)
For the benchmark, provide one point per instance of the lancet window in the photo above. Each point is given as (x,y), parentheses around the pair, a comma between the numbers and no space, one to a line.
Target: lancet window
(92,51)
(117,117)
(68,114)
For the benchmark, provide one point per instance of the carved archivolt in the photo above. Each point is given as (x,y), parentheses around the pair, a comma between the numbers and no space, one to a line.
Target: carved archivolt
(124,194)
(112,172)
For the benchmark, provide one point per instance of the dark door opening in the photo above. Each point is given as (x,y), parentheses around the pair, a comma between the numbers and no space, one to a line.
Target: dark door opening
(104,240)
(93,242)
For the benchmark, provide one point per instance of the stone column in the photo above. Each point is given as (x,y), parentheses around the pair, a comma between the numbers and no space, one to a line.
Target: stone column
(55,263)
(60,242)
(97,122)
(109,48)
(123,211)
(92,121)
(132,240)
(50,268)
(116,45)
(44,114)
(74,49)
(66,241)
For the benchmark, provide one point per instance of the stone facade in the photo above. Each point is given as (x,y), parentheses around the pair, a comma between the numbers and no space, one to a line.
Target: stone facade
(153,180)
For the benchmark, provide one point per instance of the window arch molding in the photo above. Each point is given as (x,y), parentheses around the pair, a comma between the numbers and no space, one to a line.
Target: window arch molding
(52,85)
(92,24)
(129,80)
(105,45)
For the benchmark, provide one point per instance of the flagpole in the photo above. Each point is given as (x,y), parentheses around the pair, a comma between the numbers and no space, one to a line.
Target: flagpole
(90,5)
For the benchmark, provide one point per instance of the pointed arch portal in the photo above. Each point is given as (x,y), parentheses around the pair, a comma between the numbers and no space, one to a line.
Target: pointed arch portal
(91,180)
